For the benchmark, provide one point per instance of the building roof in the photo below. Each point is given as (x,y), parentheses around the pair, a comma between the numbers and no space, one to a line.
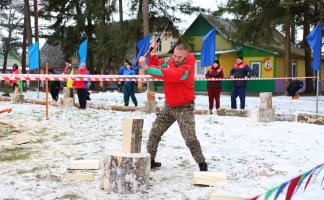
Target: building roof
(226,28)
(53,55)
(12,59)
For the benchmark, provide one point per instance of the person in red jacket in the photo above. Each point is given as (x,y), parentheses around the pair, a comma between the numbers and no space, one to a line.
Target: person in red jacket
(214,87)
(178,80)
(80,86)
(15,70)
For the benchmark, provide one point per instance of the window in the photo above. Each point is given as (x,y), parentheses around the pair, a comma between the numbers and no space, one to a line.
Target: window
(256,69)
(294,69)
(200,71)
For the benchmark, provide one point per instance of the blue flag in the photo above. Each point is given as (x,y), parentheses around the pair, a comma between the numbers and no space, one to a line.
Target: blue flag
(208,49)
(33,56)
(314,40)
(83,52)
(142,46)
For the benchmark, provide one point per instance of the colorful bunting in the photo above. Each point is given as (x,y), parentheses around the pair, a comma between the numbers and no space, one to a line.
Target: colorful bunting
(294,184)
(255,198)
(292,187)
(318,172)
(309,178)
(270,192)
(280,190)
(303,178)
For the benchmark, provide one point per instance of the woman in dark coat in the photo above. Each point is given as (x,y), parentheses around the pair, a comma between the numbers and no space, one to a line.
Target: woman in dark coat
(214,87)
(54,86)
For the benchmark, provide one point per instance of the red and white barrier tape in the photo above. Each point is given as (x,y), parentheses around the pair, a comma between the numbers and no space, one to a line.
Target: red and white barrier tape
(103,78)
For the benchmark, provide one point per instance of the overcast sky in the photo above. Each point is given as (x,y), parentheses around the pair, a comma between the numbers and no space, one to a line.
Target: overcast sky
(186,19)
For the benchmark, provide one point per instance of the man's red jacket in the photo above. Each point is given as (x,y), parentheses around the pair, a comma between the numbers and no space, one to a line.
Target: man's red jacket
(178,81)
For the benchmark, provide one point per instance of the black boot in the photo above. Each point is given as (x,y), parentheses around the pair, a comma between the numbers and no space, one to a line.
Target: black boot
(155,165)
(203,166)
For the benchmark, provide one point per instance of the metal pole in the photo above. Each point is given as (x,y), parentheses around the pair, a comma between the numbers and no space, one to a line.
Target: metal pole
(46,104)
(317,89)
(321,3)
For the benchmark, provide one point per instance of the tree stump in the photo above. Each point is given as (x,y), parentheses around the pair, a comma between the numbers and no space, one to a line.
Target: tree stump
(266,112)
(150,107)
(150,104)
(17,98)
(126,173)
(68,98)
(68,102)
(265,100)
(151,96)
(132,135)
(68,92)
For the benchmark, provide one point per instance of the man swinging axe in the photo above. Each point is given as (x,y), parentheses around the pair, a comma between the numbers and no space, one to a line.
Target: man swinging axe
(178,80)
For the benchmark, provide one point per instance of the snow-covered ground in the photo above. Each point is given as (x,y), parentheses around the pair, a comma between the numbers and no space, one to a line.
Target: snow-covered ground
(256,156)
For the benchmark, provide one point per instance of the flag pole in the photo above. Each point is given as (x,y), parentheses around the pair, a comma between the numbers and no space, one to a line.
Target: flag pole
(46,102)
(317,89)
(36,40)
(319,69)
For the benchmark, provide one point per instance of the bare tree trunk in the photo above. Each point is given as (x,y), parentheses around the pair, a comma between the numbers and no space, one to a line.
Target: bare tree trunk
(287,43)
(139,20)
(7,42)
(121,18)
(287,52)
(122,28)
(308,52)
(90,53)
(36,20)
(145,17)
(28,23)
(5,60)
(145,32)
(293,31)
(321,5)
(24,47)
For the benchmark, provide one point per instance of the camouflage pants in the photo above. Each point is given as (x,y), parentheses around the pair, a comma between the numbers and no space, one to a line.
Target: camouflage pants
(185,118)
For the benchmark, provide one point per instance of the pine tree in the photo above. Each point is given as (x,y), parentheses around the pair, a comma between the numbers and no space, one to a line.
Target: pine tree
(255,21)
(11,26)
